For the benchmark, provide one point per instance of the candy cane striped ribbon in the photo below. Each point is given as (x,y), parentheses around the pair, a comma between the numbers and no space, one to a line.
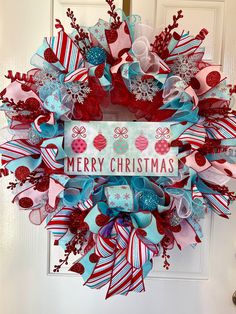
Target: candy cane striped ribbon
(77,75)
(195,136)
(59,223)
(222,128)
(66,51)
(186,45)
(16,149)
(219,204)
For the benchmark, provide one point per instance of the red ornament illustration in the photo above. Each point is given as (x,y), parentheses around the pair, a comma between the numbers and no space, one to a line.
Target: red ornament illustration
(141,143)
(100,142)
(162,146)
(79,145)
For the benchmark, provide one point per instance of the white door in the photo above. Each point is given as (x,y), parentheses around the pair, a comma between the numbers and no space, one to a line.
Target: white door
(200,281)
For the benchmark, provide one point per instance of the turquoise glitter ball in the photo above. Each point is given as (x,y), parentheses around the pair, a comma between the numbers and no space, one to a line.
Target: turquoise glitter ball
(96,56)
(149,200)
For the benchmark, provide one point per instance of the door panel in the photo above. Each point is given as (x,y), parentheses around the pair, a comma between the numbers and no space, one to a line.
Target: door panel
(87,11)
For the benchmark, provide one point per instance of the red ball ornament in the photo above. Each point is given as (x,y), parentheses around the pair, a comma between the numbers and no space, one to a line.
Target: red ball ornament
(79,146)
(100,142)
(22,173)
(141,143)
(162,147)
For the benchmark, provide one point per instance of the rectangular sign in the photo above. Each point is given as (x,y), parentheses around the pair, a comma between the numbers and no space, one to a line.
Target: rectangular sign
(119,148)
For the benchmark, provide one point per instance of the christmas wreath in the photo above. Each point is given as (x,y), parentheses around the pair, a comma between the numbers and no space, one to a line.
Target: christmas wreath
(117,224)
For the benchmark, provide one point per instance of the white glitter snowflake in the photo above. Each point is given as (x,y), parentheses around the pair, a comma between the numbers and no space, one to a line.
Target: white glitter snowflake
(185,67)
(77,92)
(42,78)
(144,89)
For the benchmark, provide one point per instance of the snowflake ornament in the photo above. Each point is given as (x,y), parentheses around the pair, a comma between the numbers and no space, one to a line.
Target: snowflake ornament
(185,67)
(77,92)
(144,89)
(46,83)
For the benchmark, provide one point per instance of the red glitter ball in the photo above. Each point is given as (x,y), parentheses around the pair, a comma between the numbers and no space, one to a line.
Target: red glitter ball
(84,226)
(22,173)
(94,258)
(32,103)
(101,220)
(26,202)
(42,186)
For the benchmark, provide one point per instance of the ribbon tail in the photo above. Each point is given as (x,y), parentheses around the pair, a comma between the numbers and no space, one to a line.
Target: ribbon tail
(102,273)
(121,277)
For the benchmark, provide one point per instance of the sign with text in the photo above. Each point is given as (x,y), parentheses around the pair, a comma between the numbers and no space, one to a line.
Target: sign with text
(119,148)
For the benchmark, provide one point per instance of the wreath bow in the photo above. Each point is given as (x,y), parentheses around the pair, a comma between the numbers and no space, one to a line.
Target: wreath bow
(124,238)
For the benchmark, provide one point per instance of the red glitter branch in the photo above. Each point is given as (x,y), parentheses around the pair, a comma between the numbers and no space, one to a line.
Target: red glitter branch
(82,36)
(165,255)
(31,106)
(162,40)
(71,248)
(114,15)
(23,77)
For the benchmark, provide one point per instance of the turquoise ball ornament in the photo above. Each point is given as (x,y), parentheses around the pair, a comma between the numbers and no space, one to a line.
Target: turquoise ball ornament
(96,55)
(149,200)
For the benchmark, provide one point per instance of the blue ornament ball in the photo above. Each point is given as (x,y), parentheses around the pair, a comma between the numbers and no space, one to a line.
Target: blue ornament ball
(149,200)
(96,55)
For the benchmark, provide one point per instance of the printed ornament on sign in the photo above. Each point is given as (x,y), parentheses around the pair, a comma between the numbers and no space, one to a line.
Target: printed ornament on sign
(162,146)
(100,142)
(117,194)
(120,146)
(79,145)
(141,143)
